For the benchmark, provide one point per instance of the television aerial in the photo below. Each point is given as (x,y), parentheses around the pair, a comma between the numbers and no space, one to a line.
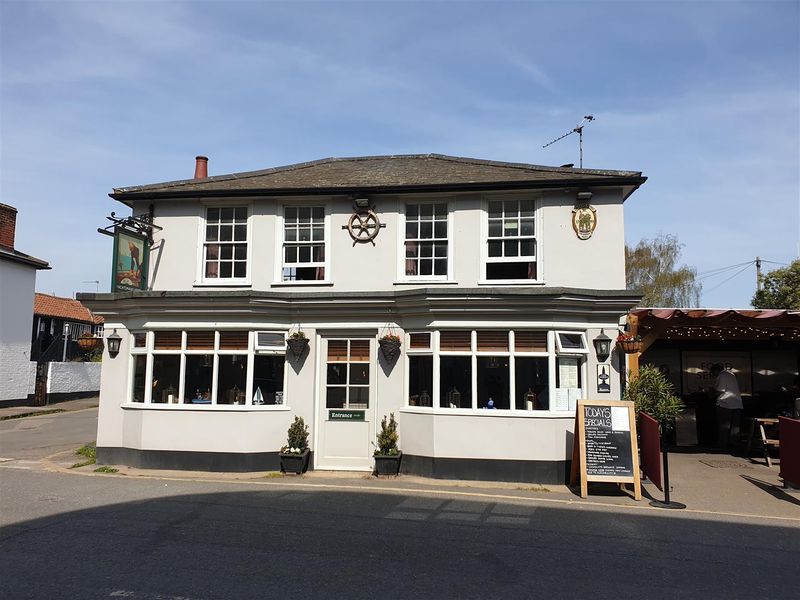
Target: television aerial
(577,129)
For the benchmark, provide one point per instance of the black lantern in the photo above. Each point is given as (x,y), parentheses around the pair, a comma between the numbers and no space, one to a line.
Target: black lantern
(114,341)
(602,346)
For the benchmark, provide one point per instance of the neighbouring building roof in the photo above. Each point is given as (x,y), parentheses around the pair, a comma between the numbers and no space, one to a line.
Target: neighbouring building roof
(25,259)
(411,172)
(63,308)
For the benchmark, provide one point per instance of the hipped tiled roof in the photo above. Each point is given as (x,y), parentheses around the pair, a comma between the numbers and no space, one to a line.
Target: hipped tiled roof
(63,308)
(384,173)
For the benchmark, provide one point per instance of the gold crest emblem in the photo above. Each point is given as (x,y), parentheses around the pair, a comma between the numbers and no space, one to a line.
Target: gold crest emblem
(584,220)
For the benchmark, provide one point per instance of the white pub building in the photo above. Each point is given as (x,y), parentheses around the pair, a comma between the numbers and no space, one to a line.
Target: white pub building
(496,277)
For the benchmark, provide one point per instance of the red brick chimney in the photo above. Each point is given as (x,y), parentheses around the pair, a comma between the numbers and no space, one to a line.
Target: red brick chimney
(201,167)
(8,225)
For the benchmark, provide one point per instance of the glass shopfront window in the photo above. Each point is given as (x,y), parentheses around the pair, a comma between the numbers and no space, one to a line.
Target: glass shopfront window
(209,368)
(420,380)
(455,382)
(166,378)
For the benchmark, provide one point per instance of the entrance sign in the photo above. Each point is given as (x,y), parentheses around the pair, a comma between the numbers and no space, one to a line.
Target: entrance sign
(129,271)
(346,415)
(604,445)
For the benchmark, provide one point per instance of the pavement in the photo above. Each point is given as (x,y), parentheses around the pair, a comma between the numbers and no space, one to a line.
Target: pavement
(17,412)
(711,485)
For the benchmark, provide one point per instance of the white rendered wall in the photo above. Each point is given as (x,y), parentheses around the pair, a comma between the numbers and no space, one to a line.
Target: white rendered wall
(70,377)
(17,372)
(564,260)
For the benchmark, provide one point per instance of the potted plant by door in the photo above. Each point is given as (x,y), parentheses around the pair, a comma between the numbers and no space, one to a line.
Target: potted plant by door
(294,455)
(390,346)
(297,342)
(387,456)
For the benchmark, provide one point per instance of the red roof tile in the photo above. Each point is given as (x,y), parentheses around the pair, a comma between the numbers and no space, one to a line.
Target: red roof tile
(63,308)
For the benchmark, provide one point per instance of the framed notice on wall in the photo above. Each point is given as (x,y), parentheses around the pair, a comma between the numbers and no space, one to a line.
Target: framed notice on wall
(129,269)
(604,445)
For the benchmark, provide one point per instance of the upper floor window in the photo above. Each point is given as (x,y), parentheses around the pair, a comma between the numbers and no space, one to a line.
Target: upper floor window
(225,247)
(303,243)
(426,240)
(512,240)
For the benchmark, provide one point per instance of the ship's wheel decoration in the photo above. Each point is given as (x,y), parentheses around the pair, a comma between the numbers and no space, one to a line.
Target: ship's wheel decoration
(364,225)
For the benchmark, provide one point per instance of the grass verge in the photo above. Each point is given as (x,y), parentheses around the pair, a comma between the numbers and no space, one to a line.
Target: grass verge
(89,452)
(106,469)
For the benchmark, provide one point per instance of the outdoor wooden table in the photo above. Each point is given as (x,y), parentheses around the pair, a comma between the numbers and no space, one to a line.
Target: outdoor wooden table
(758,425)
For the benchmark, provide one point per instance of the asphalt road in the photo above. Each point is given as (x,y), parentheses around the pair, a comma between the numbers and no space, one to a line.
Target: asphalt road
(86,536)
(33,438)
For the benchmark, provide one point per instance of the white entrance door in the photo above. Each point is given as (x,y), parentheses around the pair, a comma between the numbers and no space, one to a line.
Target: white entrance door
(346,404)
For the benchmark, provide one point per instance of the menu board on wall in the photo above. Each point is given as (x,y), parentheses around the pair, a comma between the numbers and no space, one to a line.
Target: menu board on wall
(604,444)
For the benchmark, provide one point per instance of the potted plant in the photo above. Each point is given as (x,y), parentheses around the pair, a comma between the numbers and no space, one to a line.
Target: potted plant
(390,346)
(387,455)
(652,393)
(630,344)
(87,342)
(294,455)
(297,342)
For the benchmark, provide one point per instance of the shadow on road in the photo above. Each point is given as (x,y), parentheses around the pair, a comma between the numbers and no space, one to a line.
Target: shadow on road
(330,544)
(771,489)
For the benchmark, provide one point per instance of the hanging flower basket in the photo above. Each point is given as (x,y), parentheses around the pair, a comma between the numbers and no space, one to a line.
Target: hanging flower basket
(390,347)
(630,344)
(88,342)
(297,344)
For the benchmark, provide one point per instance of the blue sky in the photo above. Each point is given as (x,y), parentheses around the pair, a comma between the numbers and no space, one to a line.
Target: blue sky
(703,97)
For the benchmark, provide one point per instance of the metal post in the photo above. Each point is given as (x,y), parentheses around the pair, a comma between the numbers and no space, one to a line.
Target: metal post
(667,503)
(66,338)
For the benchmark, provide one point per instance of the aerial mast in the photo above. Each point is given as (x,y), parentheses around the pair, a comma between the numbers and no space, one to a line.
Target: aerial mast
(579,130)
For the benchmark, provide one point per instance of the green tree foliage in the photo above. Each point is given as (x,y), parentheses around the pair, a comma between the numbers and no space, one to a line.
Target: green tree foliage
(653,394)
(651,268)
(780,289)
(387,437)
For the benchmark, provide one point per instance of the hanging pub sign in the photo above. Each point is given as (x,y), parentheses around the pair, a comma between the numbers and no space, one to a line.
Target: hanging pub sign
(131,254)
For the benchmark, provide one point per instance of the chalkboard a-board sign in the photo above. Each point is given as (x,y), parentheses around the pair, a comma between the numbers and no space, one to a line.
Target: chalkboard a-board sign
(604,446)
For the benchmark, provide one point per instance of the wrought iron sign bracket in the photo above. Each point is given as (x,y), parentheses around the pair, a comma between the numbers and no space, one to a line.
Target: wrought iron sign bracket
(140,225)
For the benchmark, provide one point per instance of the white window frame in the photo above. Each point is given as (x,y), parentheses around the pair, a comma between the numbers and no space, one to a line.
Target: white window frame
(401,234)
(280,233)
(200,275)
(551,354)
(411,352)
(571,351)
(250,352)
(537,237)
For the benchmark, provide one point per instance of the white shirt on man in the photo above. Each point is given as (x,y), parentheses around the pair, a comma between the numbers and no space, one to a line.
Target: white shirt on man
(729,395)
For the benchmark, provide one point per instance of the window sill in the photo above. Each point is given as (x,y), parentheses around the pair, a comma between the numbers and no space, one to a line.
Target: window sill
(504,282)
(206,407)
(426,282)
(224,283)
(483,412)
(324,283)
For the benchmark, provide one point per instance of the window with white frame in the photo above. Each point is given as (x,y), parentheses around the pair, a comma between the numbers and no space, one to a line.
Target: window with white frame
(420,369)
(303,243)
(511,242)
(492,370)
(347,374)
(225,245)
(206,368)
(426,240)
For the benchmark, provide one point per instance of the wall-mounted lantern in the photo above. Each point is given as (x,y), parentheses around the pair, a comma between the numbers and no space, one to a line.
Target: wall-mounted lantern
(602,346)
(114,341)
